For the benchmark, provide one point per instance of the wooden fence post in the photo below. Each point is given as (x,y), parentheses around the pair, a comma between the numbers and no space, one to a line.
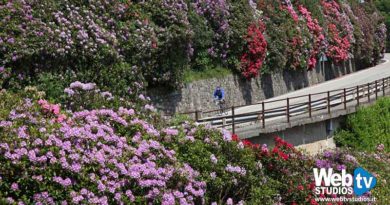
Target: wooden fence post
(345,98)
(233,121)
(383,87)
(288,110)
(263,113)
(376,90)
(309,105)
(328,101)
(368,92)
(197,115)
(357,95)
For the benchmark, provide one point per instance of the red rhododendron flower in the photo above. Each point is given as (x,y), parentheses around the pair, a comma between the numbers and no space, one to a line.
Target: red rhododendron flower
(235,138)
(283,155)
(247,143)
(275,150)
(253,58)
(300,188)
(313,202)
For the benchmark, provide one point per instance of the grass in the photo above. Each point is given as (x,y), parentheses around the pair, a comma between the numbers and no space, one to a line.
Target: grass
(194,75)
(367,128)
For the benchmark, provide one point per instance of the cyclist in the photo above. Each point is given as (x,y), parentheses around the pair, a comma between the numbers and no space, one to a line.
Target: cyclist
(219,98)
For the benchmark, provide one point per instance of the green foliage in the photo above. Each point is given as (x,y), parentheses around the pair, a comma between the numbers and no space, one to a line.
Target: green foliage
(276,58)
(53,84)
(242,15)
(384,7)
(178,119)
(7,102)
(314,7)
(202,40)
(120,79)
(367,128)
(193,75)
(251,187)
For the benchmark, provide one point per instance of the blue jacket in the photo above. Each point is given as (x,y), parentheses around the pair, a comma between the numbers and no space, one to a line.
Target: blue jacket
(219,94)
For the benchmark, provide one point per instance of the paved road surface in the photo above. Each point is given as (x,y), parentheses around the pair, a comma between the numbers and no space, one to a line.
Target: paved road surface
(357,78)
(249,125)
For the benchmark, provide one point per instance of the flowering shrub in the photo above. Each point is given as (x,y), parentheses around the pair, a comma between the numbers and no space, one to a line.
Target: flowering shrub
(67,36)
(369,28)
(85,95)
(286,4)
(113,154)
(217,15)
(4,74)
(167,25)
(377,162)
(336,159)
(339,50)
(99,156)
(318,37)
(224,163)
(287,165)
(252,60)
(338,23)
(54,30)
(109,156)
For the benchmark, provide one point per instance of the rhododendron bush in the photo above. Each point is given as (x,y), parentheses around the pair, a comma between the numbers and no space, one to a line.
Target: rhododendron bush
(79,152)
(105,150)
(340,31)
(252,60)
(97,156)
(318,37)
(161,40)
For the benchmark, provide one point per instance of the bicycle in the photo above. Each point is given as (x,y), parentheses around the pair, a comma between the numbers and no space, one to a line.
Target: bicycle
(221,103)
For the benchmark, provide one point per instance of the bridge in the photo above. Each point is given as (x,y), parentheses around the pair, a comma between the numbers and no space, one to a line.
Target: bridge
(314,109)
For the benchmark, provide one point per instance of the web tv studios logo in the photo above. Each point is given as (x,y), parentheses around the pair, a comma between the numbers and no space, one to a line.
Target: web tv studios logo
(329,182)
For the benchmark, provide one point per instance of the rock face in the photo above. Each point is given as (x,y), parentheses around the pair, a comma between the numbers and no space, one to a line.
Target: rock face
(198,95)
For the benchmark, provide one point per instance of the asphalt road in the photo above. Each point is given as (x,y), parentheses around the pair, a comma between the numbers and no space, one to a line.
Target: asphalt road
(357,78)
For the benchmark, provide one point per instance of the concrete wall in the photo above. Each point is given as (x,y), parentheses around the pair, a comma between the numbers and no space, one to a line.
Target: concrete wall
(198,95)
(304,134)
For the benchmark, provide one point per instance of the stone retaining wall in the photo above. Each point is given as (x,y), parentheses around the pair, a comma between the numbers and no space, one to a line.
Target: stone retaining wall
(198,95)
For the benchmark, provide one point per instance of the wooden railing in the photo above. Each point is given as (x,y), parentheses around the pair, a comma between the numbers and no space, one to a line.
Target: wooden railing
(304,105)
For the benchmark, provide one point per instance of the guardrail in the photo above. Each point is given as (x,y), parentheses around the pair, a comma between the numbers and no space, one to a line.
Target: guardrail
(310,103)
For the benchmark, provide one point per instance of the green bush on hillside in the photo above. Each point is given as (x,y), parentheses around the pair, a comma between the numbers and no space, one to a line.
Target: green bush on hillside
(367,128)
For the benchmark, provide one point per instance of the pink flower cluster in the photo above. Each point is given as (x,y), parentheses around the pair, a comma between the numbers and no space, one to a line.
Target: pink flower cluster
(287,5)
(100,148)
(213,159)
(52,109)
(82,86)
(236,169)
(339,49)
(316,30)
(72,30)
(64,182)
(77,88)
(339,37)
